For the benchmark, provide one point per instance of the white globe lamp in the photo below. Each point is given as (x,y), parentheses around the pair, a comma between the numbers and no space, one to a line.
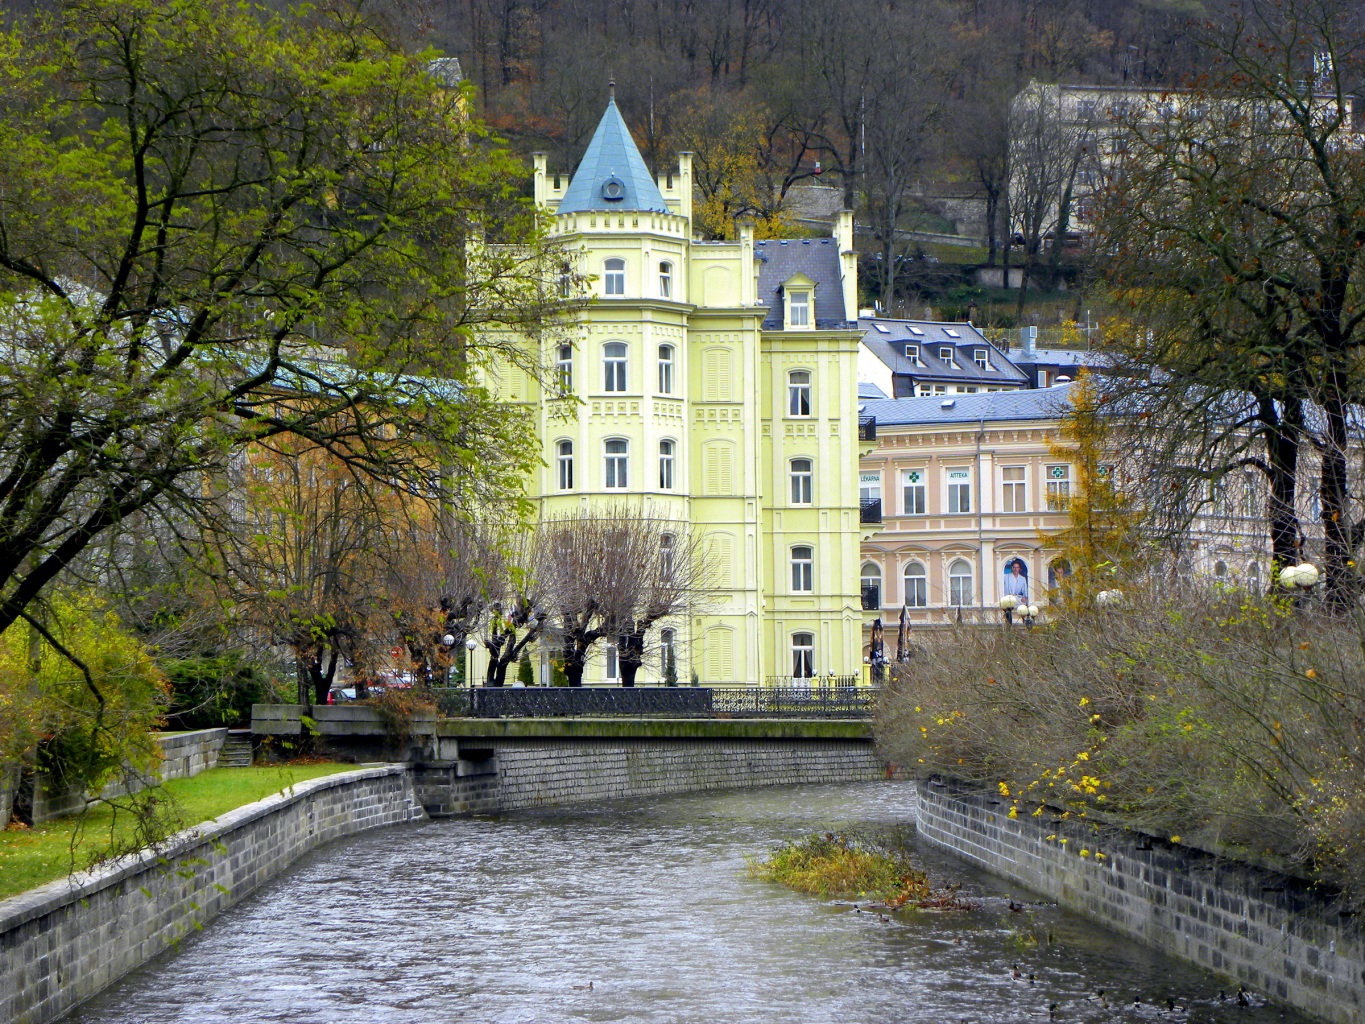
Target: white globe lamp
(1009,602)
(1305,574)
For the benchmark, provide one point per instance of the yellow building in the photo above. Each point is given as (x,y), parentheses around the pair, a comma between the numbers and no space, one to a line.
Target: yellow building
(714,383)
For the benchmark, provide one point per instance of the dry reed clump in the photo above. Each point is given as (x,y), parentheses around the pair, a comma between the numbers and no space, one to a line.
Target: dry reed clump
(850,867)
(1213,716)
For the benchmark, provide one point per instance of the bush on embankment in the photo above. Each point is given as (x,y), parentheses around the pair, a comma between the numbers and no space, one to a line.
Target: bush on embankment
(1216,717)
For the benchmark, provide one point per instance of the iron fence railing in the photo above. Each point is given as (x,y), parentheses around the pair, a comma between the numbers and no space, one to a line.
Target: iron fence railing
(825,697)
(870,510)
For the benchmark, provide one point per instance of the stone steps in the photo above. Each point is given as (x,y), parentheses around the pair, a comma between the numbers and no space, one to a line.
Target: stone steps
(236,751)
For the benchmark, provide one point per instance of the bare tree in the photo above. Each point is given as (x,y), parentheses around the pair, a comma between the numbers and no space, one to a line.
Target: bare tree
(1237,234)
(617,572)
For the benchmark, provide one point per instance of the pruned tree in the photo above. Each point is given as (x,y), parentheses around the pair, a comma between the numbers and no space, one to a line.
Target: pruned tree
(1237,234)
(617,572)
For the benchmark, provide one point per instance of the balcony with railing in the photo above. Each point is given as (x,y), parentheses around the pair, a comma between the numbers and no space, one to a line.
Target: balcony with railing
(867,428)
(870,511)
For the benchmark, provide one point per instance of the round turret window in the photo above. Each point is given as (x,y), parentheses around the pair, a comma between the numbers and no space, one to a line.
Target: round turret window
(614,189)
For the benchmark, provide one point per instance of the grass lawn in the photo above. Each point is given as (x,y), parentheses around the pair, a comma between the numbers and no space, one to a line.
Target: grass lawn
(30,857)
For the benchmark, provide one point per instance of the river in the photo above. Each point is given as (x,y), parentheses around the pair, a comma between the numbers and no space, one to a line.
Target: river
(510,919)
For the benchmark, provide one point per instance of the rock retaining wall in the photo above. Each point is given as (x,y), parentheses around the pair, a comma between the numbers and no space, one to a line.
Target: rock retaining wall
(505,774)
(62,943)
(1273,934)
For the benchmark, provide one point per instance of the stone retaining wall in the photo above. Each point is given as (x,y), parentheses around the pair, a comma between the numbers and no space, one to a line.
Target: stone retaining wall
(1273,934)
(183,754)
(63,942)
(504,774)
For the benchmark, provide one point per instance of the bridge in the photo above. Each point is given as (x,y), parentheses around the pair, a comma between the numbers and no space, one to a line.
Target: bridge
(527,747)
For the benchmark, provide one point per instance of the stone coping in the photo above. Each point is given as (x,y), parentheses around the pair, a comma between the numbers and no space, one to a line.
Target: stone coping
(28,906)
(167,740)
(656,728)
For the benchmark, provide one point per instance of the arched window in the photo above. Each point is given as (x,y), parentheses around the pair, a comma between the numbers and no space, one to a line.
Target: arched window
(614,366)
(803,655)
(1057,570)
(564,465)
(801,481)
(1220,569)
(1015,581)
(803,570)
(665,280)
(960,583)
(916,586)
(564,365)
(617,455)
(614,278)
(798,393)
(665,369)
(872,586)
(668,655)
(666,449)
(1254,575)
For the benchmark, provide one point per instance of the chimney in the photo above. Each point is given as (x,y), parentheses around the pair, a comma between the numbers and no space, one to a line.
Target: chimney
(1030,342)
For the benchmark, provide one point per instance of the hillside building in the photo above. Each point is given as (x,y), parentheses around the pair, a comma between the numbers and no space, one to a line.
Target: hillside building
(714,385)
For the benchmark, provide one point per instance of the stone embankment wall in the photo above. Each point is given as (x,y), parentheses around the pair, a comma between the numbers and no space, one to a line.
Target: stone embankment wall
(63,942)
(183,754)
(1271,933)
(506,774)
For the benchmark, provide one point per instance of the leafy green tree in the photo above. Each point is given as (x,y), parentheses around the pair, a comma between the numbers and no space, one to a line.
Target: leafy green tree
(222,226)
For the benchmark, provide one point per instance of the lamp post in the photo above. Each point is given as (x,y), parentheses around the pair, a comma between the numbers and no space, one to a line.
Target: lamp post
(1008,604)
(469,646)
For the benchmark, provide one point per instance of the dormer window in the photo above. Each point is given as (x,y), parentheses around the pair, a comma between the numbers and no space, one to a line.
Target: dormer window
(912,354)
(798,308)
(979,357)
(614,278)
(613,190)
(945,353)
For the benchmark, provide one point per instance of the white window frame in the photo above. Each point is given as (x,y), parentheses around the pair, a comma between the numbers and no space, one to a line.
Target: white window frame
(668,545)
(907,504)
(564,464)
(867,490)
(615,368)
(873,578)
(798,307)
(668,449)
(1058,486)
(982,358)
(612,670)
(614,277)
(666,353)
(668,651)
(799,403)
(564,367)
(803,655)
(1014,493)
(615,464)
(912,354)
(961,595)
(802,489)
(803,569)
(949,357)
(665,279)
(916,594)
(958,490)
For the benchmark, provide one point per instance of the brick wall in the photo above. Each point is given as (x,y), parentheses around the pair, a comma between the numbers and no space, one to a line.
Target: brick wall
(1274,934)
(506,774)
(65,941)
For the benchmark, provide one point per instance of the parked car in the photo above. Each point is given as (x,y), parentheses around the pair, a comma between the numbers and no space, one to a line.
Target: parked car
(341,695)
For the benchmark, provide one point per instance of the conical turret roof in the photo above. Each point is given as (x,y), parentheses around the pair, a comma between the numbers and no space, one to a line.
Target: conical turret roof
(612,175)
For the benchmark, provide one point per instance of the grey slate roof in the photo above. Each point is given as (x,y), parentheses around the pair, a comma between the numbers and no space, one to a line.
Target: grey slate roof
(869,390)
(818,259)
(446,71)
(992,406)
(886,339)
(612,156)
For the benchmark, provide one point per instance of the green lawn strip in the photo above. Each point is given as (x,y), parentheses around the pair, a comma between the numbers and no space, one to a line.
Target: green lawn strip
(31,857)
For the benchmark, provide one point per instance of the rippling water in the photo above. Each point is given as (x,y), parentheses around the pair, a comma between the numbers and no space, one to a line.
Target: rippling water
(510,919)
